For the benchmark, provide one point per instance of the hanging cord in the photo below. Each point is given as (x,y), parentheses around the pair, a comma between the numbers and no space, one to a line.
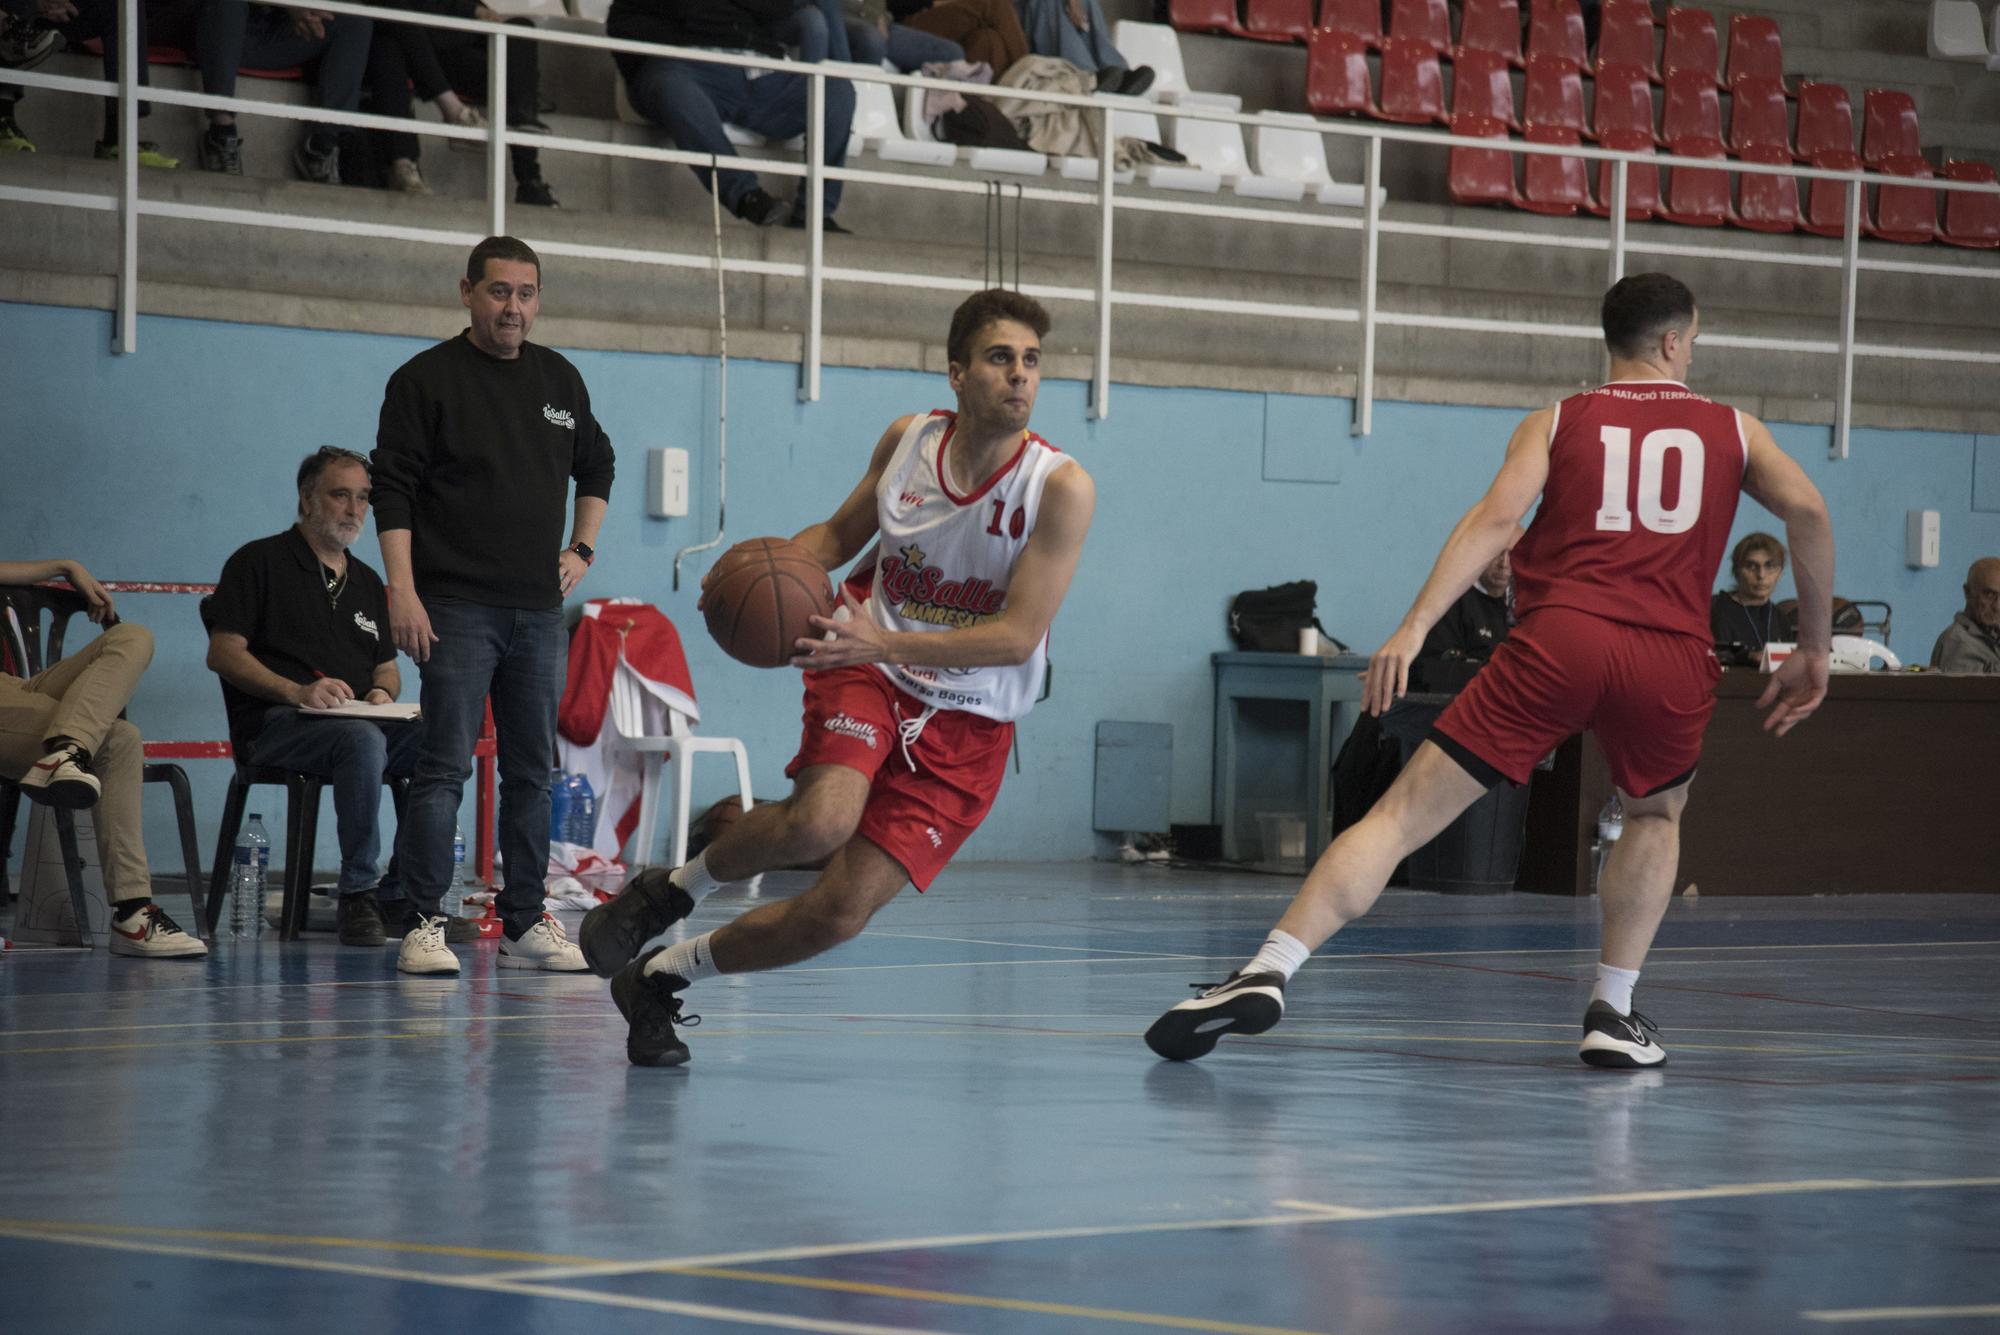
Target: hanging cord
(722,388)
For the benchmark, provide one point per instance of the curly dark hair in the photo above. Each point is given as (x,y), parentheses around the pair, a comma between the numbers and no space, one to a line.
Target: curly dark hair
(982,309)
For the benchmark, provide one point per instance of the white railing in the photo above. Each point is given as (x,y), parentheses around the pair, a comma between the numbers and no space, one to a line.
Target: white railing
(1104,295)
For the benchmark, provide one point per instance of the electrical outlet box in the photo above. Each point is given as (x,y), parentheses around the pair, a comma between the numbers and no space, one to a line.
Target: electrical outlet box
(1921,537)
(666,483)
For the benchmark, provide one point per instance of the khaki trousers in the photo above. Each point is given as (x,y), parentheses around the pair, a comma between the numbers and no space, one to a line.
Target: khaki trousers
(80,697)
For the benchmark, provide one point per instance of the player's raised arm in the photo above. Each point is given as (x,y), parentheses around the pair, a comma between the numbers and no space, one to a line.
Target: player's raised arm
(1486,530)
(1775,481)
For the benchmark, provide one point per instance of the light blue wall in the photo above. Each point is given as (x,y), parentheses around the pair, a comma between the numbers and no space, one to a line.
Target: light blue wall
(156,466)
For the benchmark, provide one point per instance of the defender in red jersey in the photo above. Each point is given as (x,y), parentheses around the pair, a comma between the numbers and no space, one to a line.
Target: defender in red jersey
(1638,482)
(910,697)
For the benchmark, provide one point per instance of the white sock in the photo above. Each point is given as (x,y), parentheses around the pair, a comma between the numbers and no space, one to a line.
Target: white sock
(693,878)
(1282,954)
(1614,987)
(691,959)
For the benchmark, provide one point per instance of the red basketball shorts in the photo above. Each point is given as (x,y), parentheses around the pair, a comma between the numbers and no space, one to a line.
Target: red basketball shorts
(1646,693)
(918,816)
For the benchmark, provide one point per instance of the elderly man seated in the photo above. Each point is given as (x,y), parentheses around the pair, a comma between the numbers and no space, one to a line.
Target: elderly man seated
(1971,643)
(299,621)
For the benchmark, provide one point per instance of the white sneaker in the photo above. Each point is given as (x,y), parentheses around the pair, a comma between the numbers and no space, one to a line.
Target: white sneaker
(59,779)
(151,934)
(543,946)
(406,176)
(424,951)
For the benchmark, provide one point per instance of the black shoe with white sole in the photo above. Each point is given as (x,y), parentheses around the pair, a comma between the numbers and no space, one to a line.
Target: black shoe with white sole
(612,933)
(651,1005)
(1625,1042)
(1244,1003)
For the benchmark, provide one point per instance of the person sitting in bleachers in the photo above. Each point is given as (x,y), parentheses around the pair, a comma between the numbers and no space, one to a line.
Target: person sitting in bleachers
(438,64)
(226,36)
(78,21)
(911,34)
(1744,619)
(693,99)
(1971,643)
(64,744)
(1075,30)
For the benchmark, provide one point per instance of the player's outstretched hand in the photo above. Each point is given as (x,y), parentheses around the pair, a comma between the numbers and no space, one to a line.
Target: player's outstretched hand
(1388,675)
(848,641)
(1796,689)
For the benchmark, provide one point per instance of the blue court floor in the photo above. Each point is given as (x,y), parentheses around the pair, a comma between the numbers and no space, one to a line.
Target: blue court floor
(951,1125)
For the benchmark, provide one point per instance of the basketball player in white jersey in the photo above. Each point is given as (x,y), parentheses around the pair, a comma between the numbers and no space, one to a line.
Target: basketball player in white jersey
(910,699)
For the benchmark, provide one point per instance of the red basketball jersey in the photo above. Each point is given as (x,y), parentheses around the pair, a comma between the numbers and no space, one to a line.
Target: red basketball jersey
(1643,481)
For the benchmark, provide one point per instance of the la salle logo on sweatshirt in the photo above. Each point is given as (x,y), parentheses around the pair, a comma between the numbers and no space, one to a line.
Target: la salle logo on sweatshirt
(560,416)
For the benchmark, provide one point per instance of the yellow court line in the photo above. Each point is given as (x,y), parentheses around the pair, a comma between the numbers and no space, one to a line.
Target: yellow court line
(21,1226)
(979,1300)
(1903,1313)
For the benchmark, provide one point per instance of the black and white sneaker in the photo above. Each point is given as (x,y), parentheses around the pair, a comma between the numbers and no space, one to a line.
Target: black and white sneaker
(59,779)
(1626,1042)
(1243,1003)
(651,1005)
(612,933)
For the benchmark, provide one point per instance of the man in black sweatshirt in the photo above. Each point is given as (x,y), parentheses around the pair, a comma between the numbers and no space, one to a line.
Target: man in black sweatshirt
(479,439)
(693,99)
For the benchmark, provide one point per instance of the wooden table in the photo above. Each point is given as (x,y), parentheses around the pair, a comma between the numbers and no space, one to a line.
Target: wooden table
(1894,785)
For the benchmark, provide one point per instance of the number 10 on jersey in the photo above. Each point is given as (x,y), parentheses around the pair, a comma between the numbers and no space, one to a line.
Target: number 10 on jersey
(1615,515)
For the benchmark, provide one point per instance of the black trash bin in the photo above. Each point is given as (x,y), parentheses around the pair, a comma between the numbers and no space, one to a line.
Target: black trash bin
(1480,852)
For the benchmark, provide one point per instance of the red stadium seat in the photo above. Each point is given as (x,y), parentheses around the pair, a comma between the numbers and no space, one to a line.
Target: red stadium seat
(1696,196)
(1826,201)
(1693,109)
(1426,21)
(1363,18)
(1554,96)
(1888,127)
(1412,83)
(1691,42)
(1555,29)
(1755,48)
(1625,36)
(1906,213)
(1642,183)
(1553,184)
(1624,103)
(1767,203)
(1337,74)
(1278,20)
(1826,121)
(1757,117)
(1482,175)
(1971,220)
(1491,25)
(1482,86)
(1205,16)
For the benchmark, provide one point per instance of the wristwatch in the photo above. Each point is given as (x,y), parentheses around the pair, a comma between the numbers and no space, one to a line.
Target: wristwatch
(584,550)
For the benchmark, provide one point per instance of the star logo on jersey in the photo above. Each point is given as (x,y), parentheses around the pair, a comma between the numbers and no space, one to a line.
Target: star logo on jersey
(921,592)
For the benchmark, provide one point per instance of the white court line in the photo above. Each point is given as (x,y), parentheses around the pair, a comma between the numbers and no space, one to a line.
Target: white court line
(1903,1313)
(1014,945)
(1306,1212)
(478,1283)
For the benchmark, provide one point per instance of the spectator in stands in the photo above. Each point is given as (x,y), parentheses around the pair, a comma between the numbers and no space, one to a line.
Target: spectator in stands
(1466,636)
(31,30)
(910,34)
(229,35)
(817,30)
(298,621)
(1075,30)
(1971,643)
(692,99)
(63,743)
(439,64)
(1744,619)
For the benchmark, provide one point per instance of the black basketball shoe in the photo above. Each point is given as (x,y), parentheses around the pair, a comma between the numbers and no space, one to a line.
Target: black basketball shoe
(1623,1041)
(1243,1003)
(651,1005)
(612,933)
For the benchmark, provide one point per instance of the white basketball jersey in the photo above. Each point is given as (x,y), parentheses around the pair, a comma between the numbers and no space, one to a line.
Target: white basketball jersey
(944,561)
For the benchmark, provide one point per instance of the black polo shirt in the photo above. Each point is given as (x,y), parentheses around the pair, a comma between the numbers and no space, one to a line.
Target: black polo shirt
(273,593)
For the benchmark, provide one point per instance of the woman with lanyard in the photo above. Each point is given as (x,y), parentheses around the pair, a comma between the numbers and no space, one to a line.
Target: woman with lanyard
(1744,619)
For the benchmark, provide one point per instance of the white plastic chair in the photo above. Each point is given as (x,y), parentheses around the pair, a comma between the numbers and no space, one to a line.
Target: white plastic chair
(528,9)
(1013,161)
(678,747)
(1157,45)
(1956,32)
(594,11)
(1300,155)
(1217,146)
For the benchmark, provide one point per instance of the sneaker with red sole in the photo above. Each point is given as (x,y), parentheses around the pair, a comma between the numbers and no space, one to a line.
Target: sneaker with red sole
(151,934)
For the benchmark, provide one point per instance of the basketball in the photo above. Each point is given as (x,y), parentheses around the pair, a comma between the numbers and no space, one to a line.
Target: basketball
(761,598)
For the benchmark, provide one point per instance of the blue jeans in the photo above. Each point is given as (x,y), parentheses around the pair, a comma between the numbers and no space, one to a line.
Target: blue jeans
(232,34)
(692,100)
(1050,33)
(517,657)
(353,755)
(908,49)
(819,31)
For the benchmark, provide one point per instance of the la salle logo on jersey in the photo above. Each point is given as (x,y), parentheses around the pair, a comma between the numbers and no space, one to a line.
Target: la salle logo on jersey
(362,620)
(559,416)
(923,592)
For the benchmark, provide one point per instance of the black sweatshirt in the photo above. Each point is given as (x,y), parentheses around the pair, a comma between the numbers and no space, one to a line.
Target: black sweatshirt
(474,455)
(732,25)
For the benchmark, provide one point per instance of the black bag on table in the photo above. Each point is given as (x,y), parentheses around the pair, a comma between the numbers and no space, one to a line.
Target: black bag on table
(1269,620)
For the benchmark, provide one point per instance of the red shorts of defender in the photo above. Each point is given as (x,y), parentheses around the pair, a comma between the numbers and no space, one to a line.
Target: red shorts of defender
(917,816)
(1646,693)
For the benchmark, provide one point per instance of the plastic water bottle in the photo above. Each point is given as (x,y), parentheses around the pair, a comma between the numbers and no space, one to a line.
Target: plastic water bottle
(558,806)
(247,878)
(1610,825)
(454,894)
(581,814)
